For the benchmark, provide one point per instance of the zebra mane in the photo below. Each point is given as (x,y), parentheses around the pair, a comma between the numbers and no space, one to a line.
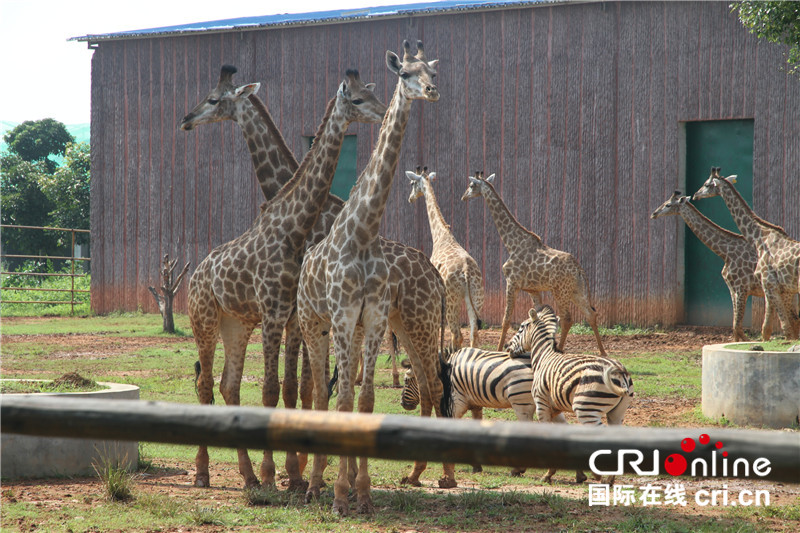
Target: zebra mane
(544,327)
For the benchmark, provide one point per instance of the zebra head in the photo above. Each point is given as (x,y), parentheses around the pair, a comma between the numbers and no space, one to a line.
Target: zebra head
(410,396)
(539,329)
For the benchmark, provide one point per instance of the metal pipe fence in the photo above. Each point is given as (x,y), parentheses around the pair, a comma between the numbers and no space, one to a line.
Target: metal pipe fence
(72,274)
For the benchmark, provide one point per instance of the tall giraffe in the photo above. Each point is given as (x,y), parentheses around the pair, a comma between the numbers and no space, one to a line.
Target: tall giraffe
(253,279)
(778,265)
(738,255)
(534,267)
(416,287)
(344,283)
(463,279)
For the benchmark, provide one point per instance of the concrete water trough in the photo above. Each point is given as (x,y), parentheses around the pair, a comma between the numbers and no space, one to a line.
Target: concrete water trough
(23,456)
(754,388)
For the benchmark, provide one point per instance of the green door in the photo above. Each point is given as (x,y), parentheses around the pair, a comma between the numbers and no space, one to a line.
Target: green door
(346,174)
(719,143)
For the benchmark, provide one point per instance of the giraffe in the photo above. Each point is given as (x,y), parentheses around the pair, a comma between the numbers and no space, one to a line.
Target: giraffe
(343,285)
(533,266)
(462,278)
(739,256)
(778,265)
(417,289)
(253,279)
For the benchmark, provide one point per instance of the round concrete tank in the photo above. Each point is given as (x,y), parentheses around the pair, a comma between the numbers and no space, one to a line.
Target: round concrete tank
(755,388)
(25,456)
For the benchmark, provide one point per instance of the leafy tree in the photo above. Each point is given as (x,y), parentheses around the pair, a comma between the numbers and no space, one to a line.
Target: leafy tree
(37,140)
(778,22)
(24,204)
(67,189)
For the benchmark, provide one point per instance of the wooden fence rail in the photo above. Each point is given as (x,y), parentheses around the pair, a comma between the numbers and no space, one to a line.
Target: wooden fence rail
(534,445)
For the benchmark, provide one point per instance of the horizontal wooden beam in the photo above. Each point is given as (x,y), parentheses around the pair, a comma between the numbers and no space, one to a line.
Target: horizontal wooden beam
(533,445)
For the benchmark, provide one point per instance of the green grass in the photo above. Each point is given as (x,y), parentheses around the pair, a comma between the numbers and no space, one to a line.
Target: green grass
(8,293)
(164,371)
(29,387)
(774,345)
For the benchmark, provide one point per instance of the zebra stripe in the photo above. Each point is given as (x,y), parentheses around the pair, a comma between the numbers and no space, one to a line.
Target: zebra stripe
(480,378)
(588,385)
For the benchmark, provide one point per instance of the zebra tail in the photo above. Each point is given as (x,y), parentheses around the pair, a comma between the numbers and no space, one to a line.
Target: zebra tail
(609,382)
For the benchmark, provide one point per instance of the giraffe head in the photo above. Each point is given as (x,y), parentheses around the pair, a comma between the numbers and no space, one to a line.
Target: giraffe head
(712,185)
(478,186)
(671,206)
(416,73)
(221,103)
(358,101)
(417,180)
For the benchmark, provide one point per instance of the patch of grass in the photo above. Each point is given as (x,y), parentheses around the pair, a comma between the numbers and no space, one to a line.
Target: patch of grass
(117,481)
(773,345)
(583,328)
(648,371)
(55,386)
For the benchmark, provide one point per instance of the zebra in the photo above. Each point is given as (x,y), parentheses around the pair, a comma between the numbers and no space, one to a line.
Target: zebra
(588,385)
(473,379)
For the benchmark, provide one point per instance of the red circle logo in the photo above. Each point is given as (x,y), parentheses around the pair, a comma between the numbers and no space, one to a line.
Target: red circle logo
(675,464)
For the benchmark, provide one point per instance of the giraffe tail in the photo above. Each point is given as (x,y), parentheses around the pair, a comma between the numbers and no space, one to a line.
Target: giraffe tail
(197,369)
(470,302)
(334,380)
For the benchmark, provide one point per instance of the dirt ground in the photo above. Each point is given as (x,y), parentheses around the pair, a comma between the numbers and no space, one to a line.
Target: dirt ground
(176,478)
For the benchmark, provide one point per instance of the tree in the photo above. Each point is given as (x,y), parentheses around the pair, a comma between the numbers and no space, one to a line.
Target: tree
(37,140)
(24,204)
(67,189)
(778,22)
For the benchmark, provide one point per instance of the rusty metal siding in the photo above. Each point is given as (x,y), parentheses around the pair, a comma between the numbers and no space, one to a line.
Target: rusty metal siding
(577,108)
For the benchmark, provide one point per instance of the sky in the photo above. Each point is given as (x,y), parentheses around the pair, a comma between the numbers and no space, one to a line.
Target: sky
(47,76)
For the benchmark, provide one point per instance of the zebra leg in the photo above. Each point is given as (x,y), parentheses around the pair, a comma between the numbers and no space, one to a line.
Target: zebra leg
(544,413)
(477,414)
(615,418)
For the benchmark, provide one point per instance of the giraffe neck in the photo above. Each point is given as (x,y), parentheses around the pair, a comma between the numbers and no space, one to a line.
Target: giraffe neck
(272,159)
(751,226)
(514,236)
(368,198)
(717,238)
(440,230)
(300,201)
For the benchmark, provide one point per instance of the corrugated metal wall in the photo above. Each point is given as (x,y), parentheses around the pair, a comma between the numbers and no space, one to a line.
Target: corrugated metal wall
(577,108)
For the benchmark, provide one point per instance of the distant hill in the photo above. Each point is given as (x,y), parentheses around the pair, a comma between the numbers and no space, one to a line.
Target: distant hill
(79,131)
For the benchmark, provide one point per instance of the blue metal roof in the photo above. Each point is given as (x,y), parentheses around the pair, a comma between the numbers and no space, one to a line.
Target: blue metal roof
(317,17)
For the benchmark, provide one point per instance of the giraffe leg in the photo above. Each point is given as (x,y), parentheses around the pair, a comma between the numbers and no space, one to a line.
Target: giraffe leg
(291,356)
(511,296)
(366,404)
(205,336)
(306,397)
(453,310)
(565,322)
(739,299)
(317,342)
(770,319)
(234,338)
(342,344)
